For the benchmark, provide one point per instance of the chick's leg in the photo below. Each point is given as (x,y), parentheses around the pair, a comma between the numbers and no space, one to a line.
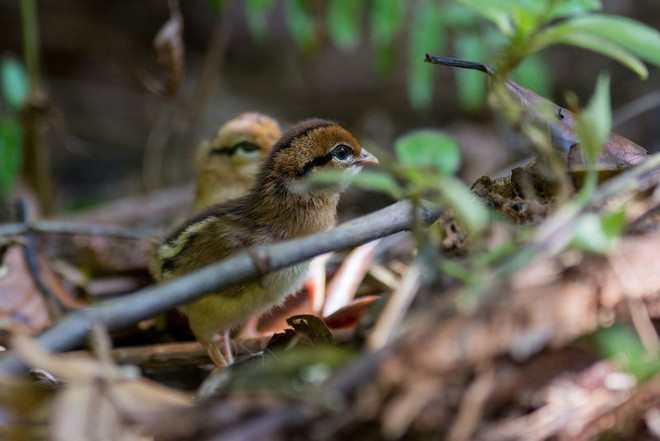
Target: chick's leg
(219,348)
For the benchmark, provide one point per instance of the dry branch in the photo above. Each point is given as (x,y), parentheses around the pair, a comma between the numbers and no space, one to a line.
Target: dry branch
(63,227)
(73,329)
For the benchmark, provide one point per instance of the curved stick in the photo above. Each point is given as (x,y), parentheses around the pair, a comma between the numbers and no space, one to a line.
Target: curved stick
(72,330)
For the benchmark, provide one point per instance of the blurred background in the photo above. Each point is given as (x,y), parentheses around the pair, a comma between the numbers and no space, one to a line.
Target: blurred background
(111,129)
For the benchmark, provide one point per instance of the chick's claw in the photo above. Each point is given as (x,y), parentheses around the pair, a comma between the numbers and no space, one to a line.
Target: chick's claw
(219,349)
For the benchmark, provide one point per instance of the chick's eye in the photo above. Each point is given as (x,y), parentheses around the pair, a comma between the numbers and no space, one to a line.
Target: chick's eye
(246,146)
(342,152)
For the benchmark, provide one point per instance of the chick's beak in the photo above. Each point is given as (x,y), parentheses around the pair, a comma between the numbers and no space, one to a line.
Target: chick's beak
(365,158)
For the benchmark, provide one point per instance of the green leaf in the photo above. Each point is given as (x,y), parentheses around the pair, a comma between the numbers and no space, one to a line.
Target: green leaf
(496,11)
(595,122)
(426,35)
(614,223)
(527,18)
(367,179)
(344,22)
(11,138)
(573,7)
(469,209)
(385,60)
(595,235)
(386,18)
(377,181)
(256,15)
(300,23)
(216,5)
(14,82)
(637,37)
(533,74)
(620,343)
(461,17)
(471,84)
(426,148)
(296,372)
(565,34)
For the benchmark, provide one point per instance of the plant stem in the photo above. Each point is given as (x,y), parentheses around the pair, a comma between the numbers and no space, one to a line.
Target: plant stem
(37,158)
(30,33)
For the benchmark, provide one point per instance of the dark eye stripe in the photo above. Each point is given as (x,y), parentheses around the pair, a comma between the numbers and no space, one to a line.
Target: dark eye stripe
(221,151)
(322,160)
(316,162)
(230,151)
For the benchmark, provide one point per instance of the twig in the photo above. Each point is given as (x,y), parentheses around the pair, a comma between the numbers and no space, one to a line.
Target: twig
(473,404)
(211,69)
(639,313)
(396,309)
(154,150)
(31,259)
(72,330)
(166,353)
(264,426)
(36,157)
(60,227)
(635,108)
(643,324)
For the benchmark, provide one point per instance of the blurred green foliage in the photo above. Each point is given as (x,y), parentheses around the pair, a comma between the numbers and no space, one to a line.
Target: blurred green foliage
(599,234)
(256,15)
(425,149)
(300,372)
(514,30)
(593,126)
(620,343)
(14,86)
(14,83)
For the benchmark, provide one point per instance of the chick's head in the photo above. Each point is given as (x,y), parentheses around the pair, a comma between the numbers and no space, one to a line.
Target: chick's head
(314,145)
(240,145)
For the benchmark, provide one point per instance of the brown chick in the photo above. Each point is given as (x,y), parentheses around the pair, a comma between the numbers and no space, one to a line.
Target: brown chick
(227,164)
(272,211)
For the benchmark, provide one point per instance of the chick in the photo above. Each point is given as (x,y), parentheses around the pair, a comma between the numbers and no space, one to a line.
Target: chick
(273,210)
(227,164)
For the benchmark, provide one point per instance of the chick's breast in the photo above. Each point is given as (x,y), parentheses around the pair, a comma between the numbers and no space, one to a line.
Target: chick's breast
(231,307)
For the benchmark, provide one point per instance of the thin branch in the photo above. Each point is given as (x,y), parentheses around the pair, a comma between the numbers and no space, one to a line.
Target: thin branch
(36,155)
(31,258)
(210,75)
(635,108)
(61,227)
(72,330)
(264,426)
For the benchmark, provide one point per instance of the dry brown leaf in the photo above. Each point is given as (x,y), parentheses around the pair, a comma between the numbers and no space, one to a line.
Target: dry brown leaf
(170,53)
(100,400)
(22,307)
(344,285)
